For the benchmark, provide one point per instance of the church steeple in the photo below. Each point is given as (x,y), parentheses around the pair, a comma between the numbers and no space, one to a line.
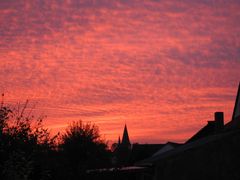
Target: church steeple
(125,138)
(119,140)
(123,150)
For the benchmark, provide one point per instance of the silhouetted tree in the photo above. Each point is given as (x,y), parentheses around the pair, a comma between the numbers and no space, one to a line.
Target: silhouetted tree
(27,151)
(84,148)
(24,144)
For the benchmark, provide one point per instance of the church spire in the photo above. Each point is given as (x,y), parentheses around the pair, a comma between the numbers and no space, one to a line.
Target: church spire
(119,140)
(125,138)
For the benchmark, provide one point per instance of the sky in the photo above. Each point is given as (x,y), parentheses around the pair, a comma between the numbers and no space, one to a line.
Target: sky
(162,67)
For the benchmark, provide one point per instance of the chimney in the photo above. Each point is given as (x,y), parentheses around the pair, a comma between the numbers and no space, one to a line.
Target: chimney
(219,121)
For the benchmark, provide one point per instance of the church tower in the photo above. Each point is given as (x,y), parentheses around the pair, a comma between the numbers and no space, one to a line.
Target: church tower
(123,150)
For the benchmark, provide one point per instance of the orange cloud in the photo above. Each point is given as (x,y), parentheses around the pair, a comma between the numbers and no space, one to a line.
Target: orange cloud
(163,67)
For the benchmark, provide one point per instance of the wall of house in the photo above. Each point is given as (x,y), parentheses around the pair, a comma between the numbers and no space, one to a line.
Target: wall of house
(217,160)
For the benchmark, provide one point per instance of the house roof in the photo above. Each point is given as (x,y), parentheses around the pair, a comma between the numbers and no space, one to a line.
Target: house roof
(235,122)
(236,110)
(167,147)
(142,151)
(188,146)
(205,131)
(209,129)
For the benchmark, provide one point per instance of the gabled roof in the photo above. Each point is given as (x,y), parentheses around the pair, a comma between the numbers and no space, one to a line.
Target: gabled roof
(236,110)
(205,131)
(235,122)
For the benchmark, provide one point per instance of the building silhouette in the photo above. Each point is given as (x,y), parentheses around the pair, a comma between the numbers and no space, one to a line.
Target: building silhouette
(211,153)
(125,139)
(122,151)
(126,154)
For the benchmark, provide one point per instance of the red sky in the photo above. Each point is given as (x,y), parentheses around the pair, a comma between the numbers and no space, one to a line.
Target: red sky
(163,67)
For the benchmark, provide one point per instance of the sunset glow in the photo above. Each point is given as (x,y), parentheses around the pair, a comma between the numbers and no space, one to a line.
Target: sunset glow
(162,67)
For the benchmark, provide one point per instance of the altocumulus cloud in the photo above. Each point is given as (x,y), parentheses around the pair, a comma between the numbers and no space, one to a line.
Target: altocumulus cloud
(158,65)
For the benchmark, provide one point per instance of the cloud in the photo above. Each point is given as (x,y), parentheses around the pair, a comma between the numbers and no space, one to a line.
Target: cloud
(158,65)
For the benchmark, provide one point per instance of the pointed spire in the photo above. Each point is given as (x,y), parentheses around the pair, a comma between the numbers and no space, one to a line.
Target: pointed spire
(125,138)
(119,140)
(236,111)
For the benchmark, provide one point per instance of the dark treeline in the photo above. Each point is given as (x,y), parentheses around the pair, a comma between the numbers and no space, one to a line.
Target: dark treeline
(27,151)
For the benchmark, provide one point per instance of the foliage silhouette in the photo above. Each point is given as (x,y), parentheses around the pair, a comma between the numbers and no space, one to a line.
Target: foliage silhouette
(27,151)
(24,144)
(84,148)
